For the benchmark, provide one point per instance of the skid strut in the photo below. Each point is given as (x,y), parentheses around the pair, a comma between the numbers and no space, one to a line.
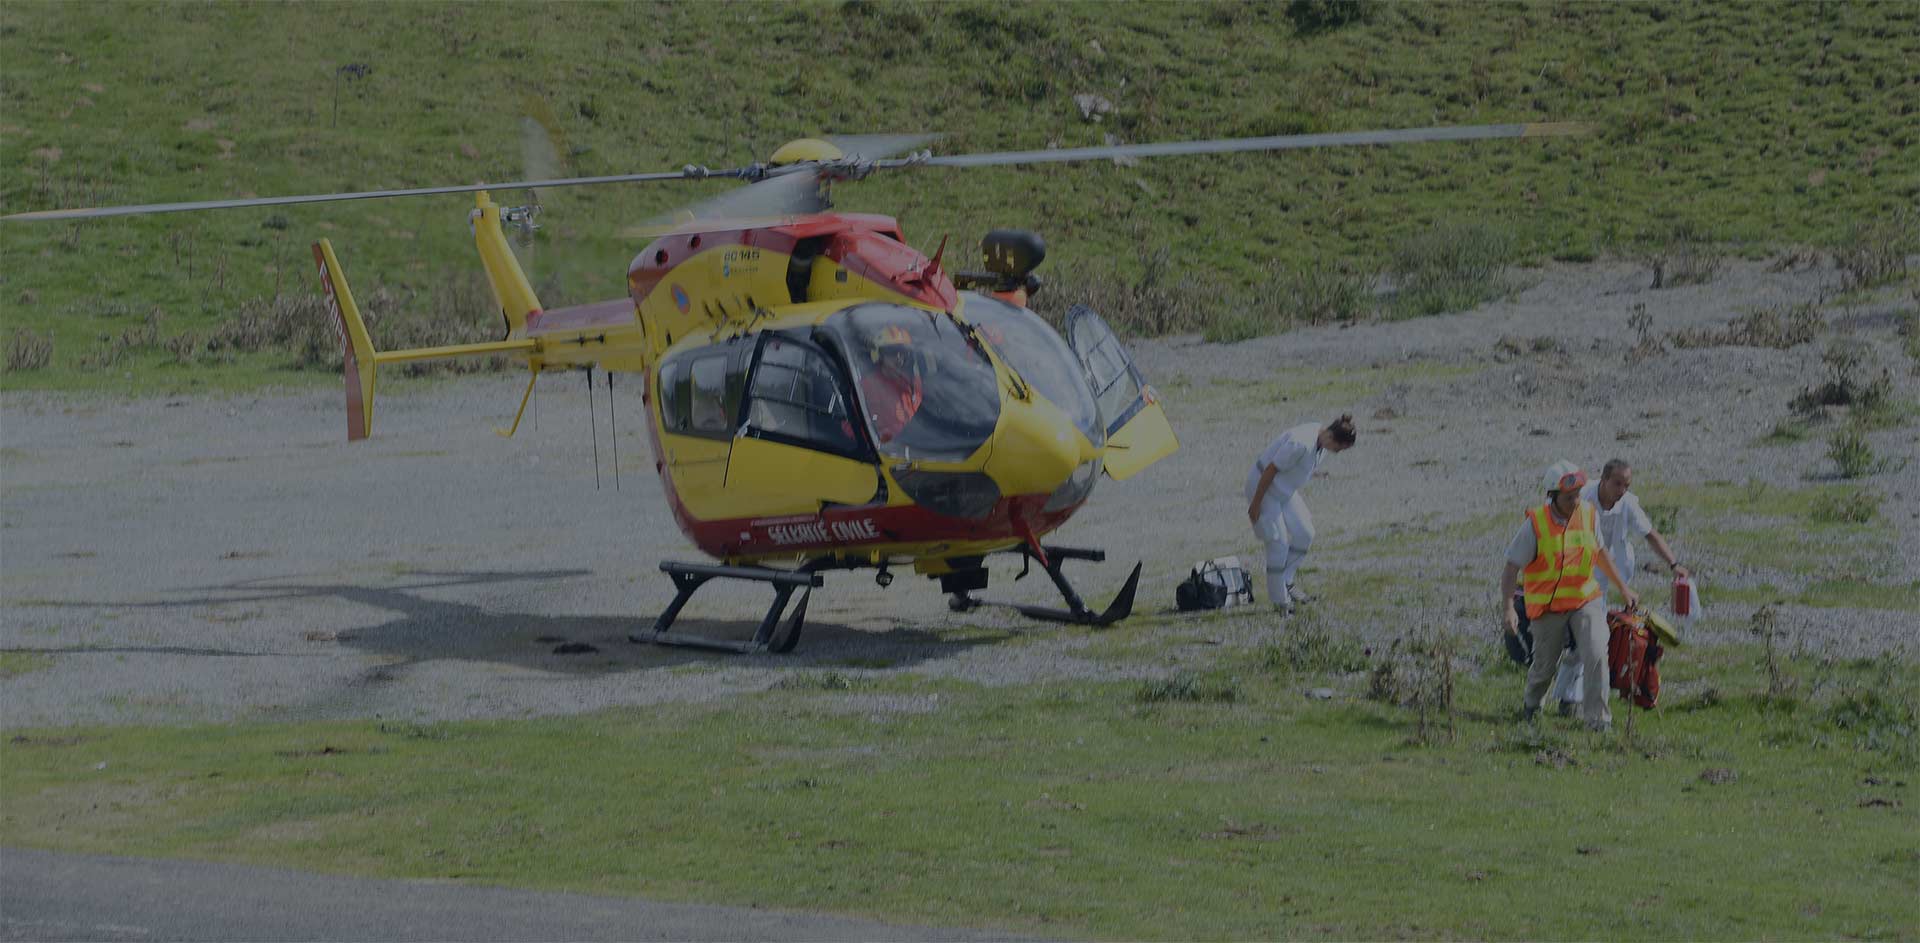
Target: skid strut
(689,577)
(1054,564)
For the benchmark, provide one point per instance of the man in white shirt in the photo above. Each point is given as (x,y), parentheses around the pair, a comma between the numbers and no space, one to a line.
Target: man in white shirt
(1621,520)
(1280,518)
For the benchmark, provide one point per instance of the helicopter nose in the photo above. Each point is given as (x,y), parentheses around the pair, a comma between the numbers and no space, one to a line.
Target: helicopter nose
(1035,448)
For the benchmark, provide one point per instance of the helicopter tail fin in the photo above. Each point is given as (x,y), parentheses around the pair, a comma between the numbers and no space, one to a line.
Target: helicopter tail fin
(358,350)
(510,286)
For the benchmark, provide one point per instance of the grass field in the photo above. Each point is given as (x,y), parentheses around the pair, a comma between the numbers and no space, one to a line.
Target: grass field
(1746,126)
(1231,805)
(1304,787)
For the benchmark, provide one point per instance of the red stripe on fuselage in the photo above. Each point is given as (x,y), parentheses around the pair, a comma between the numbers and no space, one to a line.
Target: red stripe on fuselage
(854,529)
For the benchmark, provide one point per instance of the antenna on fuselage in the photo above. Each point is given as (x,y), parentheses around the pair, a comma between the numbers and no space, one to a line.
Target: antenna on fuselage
(594,424)
(613,432)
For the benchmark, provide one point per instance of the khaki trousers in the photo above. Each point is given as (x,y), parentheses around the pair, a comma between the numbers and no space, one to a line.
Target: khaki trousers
(1589,627)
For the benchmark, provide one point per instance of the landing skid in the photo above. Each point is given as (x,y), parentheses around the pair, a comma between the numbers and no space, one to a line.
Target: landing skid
(1076,613)
(774,635)
(780,632)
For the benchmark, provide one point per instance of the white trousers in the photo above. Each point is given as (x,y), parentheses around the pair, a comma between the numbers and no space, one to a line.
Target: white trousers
(1286,549)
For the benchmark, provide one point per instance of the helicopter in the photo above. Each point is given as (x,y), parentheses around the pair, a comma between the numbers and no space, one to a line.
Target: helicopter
(820,395)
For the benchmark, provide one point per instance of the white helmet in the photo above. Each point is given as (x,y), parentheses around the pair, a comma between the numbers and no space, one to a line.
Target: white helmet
(1565,476)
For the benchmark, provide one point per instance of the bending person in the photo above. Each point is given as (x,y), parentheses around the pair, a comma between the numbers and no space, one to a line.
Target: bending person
(1280,518)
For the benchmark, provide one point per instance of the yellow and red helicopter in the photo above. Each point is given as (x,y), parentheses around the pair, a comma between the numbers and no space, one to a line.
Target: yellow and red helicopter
(820,395)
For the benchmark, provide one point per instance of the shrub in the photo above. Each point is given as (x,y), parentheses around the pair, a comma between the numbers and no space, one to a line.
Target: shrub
(1313,16)
(1842,359)
(1289,296)
(1451,267)
(1776,328)
(1787,431)
(1882,718)
(1646,343)
(301,323)
(1232,327)
(1158,301)
(1910,329)
(1186,687)
(1851,451)
(27,350)
(144,336)
(1315,294)
(1309,648)
(1388,682)
(1683,256)
(184,347)
(1846,507)
(816,681)
(1874,406)
(1875,252)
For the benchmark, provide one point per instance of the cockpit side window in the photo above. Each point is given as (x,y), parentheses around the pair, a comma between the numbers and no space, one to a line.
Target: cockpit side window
(797,397)
(927,390)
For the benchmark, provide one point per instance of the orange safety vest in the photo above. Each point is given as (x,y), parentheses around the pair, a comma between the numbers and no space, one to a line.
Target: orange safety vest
(893,403)
(1560,578)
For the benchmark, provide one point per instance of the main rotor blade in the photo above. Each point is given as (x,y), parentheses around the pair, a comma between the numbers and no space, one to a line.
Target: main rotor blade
(789,194)
(539,155)
(691,173)
(879,146)
(1280,143)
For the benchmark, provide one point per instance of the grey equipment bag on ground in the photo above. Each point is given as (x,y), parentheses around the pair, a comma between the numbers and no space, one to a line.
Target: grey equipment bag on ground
(1219,583)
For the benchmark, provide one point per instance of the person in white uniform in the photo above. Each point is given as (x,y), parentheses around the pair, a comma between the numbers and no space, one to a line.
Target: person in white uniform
(1279,515)
(1621,521)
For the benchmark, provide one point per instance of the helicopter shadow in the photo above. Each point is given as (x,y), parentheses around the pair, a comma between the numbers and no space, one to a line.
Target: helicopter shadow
(423,629)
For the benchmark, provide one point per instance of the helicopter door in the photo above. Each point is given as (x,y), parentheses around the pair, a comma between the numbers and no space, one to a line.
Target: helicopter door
(700,393)
(1138,433)
(800,447)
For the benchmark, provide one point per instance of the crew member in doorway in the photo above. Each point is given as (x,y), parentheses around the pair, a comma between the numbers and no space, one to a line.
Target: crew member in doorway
(892,389)
(1556,550)
(1279,515)
(1621,519)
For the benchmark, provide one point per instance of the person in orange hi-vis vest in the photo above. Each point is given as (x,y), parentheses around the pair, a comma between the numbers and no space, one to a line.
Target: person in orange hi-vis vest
(1553,558)
(1620,517)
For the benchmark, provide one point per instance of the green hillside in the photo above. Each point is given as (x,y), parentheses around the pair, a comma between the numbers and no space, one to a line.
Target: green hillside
(1756,125)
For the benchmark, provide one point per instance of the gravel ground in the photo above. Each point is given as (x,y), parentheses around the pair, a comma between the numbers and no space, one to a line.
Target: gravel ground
(209,559)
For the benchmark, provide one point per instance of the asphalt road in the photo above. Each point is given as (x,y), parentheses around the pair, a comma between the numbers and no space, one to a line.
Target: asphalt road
(49,896)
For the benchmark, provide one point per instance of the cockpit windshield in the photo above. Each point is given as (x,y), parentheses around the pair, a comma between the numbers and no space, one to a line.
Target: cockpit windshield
(1041,358)
(927,391)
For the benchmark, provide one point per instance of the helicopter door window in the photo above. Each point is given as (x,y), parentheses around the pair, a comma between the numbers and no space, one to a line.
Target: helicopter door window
(797,398)
(676,397)
(1116,384)
(709,413)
